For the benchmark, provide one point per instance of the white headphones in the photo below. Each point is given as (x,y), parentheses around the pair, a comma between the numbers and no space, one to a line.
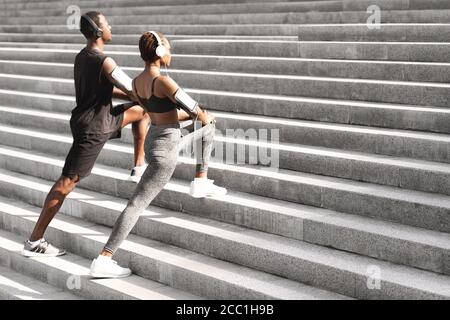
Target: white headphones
(160,51)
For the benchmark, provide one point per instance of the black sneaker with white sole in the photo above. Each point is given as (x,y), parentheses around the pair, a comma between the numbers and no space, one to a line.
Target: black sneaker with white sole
(41,249)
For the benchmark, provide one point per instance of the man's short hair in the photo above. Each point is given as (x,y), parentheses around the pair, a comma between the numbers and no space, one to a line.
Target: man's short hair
(86,28)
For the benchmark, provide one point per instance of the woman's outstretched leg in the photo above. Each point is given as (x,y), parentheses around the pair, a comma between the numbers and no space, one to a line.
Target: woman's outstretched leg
(161,154)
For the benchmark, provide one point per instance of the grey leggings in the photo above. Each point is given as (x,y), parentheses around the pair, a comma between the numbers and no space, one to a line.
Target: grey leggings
(162,146)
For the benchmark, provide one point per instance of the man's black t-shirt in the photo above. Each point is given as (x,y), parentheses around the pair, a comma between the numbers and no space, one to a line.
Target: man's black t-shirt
(92,114)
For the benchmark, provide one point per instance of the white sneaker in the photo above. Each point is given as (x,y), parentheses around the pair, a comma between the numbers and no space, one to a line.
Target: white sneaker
(41,248)
(203,187)
(105,267)
(137,172)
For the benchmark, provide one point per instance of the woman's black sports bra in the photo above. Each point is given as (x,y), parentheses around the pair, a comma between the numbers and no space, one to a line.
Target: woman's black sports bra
(155,104)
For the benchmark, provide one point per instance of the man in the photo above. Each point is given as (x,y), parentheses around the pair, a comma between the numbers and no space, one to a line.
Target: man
(93,123)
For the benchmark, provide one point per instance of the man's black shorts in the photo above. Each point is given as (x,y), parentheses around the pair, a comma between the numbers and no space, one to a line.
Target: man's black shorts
(85,150)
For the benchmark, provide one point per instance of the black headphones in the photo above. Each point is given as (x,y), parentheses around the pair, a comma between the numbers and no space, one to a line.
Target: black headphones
(98,33)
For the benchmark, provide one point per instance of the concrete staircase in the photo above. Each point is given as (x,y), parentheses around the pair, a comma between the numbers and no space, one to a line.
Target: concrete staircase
(359,206)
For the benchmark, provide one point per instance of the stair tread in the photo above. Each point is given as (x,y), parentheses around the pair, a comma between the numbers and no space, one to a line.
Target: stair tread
(291,122)
(281,174)
(178,257)
(361,223)
(282,146)
(424,280)
(205,56)
(237,74)
(14,285)
(134,286)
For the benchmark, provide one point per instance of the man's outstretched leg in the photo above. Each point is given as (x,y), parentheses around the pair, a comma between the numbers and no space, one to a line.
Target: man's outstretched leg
(37,245)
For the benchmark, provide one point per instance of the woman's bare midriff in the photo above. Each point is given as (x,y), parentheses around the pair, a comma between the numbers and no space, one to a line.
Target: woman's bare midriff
(164,118)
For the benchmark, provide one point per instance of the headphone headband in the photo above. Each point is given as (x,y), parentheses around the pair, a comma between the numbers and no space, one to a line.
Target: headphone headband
(160,49)
(158,39)
(97,31)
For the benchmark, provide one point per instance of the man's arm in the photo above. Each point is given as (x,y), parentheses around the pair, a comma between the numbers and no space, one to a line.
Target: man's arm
(119,94)
(121,81)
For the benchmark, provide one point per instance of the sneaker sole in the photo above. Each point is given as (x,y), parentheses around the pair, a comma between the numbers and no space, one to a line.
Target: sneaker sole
(206,195)
(133,179)
(30,254)
(102,276)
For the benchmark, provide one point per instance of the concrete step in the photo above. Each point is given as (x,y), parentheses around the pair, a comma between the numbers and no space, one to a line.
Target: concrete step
(223,8)
(399,172)
(71,272)
(129,34)
(324,110)
(123,3)
(16,286)
(177,29)
(134,3)
(143,7)
(179,268)
(399,32)
(314,17)
(410,246)
(376,50)
(338,271)
(403,143)
(410,144)
(405,92)
(133,39)
(391,51)
(361,69)
(419,209)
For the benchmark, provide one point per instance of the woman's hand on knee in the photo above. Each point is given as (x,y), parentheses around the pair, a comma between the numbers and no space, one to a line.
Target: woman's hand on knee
(208,118)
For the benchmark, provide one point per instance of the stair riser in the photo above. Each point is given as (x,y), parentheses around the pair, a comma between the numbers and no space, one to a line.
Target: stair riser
(399,16)
(245,30)
(403,211)
(53,276)
(415,179)
(147,267)
(408,33)
(368,70)
(196,9)
(436,52)
(77,38)
(421,120)
(434,150)
(400,251)
(427,94)
(318,275)
(128,34)
(127,8)
(437,150)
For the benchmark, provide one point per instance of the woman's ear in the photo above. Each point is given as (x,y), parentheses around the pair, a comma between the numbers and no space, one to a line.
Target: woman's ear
(165,60)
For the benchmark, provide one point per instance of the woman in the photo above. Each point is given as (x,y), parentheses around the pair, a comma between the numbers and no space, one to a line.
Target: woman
(160,96)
